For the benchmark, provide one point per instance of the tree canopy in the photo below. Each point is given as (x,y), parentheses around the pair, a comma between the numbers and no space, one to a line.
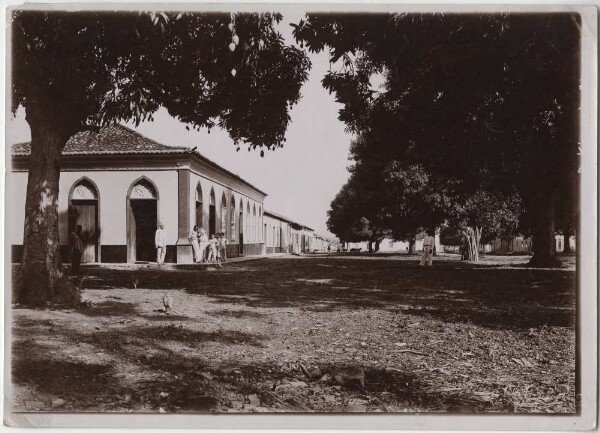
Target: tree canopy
(87,69)
(74,71)
(483,101)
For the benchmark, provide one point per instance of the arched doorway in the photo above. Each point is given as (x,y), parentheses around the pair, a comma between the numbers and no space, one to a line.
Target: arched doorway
(247,231)
(142,221)
(212,214)
(254,226)
(199,213)
(83,211)
(223,228)
(241,227)
(232,221)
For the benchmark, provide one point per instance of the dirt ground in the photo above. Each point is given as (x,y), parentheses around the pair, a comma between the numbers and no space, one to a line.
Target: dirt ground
(306,334)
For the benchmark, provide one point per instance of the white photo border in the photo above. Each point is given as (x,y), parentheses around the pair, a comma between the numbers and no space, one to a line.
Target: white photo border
(587,263)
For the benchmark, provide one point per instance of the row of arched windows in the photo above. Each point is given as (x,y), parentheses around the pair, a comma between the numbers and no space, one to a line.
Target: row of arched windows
(247,223)
(85,190)
(273,233)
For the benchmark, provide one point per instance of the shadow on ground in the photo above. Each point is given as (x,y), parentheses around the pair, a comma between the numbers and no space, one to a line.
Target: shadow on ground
(490,296)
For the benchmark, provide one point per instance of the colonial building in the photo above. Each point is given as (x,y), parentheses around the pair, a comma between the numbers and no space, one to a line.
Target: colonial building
(119,184)
(282,235)
(521,244)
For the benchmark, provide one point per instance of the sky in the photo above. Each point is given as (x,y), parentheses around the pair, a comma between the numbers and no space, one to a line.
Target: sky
(301,179)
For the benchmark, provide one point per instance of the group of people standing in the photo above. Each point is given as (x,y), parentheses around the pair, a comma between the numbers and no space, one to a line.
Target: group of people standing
(213,250)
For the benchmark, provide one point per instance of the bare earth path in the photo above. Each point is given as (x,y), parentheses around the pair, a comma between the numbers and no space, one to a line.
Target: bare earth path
(301,334)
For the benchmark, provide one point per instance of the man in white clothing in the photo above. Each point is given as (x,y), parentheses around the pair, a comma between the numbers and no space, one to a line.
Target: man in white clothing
(427,258)
(161,244)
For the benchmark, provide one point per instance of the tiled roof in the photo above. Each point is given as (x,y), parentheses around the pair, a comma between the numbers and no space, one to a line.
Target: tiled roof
(281,217)
(115,139)
(120,140)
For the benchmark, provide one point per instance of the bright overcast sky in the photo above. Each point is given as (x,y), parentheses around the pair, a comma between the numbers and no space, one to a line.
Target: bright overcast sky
(300,179)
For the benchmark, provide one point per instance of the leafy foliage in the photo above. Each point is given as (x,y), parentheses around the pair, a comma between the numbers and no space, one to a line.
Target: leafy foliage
(484,103)
(85,70)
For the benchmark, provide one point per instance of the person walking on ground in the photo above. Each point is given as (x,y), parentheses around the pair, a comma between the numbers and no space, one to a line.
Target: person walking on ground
(427,258)
(223,242)
(75,249)
(160,242)
(203,244)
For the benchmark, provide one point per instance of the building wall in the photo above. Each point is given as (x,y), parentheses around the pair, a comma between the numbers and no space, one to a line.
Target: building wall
(518,244)
(277,234)
(389,245)
(227,193)
(561,243)
(112,188)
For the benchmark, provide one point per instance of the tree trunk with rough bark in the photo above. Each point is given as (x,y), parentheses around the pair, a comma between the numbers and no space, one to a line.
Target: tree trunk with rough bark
(543,241)
(42,278)
(411,245)
(472,238)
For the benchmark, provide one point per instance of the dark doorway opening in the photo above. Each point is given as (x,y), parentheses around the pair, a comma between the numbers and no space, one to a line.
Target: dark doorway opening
(241,232)
(212,220)
(85,214)
(143,221)
(199,222)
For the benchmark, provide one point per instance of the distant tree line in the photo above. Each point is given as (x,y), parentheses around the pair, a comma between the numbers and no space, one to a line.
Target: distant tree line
(475,124)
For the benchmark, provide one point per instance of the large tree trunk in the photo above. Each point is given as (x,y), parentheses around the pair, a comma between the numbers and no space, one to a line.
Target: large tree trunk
(377,243)
(543,242)
(370,245)
(412,242)
(472,238)
(42,279)
(568,235)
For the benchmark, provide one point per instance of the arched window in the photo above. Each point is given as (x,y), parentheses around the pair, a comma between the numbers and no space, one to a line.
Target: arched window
(259,225)
(223,214)
(254,227)
(212,214)
(232,220)
(199,213)
(274,236)
(248,224)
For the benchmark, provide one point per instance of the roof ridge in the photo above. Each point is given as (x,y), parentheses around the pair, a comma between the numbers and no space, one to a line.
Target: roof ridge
(137,134)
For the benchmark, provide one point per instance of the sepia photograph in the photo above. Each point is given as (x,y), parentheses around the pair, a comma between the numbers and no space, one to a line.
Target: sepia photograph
(300,210)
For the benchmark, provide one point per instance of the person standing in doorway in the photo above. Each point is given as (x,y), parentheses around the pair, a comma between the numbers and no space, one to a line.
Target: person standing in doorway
(76,249)
(193,238)
(427,258)
(203,243)
(161,244)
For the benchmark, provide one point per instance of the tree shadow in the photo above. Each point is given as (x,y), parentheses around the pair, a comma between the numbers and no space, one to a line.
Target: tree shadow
(490,296)
(182,335)
(237,314)
(191,382)
(109,308)
(167,318)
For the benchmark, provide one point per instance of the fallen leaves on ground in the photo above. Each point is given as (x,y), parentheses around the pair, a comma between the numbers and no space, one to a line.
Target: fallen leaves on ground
(284,335)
